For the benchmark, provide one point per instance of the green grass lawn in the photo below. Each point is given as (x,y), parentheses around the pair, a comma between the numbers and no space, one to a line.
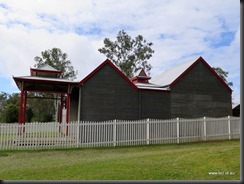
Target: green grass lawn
(192,161)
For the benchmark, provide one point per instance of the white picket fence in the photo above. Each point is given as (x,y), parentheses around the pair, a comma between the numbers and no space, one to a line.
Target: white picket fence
(117,133)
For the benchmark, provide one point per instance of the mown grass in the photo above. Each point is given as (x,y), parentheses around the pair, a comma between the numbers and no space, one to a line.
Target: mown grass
(159,162)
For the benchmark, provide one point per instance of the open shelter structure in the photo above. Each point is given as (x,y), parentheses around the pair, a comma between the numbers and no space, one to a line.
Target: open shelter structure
(44,79)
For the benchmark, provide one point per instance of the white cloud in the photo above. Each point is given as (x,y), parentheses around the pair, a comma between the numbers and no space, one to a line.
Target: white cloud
(179,29)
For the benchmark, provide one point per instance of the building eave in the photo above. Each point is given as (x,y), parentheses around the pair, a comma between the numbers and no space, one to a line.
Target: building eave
(50,84)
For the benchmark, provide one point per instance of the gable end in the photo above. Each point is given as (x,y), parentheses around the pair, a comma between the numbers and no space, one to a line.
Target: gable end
(200,59)
(107,62)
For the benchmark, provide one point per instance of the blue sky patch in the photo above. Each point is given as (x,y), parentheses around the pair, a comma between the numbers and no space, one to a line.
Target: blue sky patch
(6,86)
(4,6)
(87,31)
(225,40)
(167,36)
(17,22)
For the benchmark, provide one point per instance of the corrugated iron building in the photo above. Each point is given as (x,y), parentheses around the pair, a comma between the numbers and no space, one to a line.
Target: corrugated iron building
(189,90)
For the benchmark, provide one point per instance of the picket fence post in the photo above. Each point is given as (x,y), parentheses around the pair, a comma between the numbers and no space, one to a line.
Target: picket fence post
(178,129)
(114,132)
(229,127)
(78,133)
(147,131)
(204,129)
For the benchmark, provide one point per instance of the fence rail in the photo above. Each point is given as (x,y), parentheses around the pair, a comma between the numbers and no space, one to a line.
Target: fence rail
(116,133)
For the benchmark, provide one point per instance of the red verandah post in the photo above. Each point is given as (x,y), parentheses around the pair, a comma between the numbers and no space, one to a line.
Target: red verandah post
(20,120)
(61,112)
(24,112)
(67,112)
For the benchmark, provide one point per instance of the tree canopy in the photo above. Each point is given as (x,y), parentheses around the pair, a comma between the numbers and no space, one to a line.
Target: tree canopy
(3,99)
(58,60)
(128,54)
(9,108)
(223,74)
(44,109)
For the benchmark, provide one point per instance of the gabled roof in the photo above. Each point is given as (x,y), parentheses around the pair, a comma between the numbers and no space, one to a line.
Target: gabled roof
(107,62)
(174,74)
(140,72)
(140,76)
(45,68)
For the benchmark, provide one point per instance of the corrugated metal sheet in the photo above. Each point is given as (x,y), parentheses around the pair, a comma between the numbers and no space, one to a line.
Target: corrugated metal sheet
(150,86)
(168,76)
(45,79)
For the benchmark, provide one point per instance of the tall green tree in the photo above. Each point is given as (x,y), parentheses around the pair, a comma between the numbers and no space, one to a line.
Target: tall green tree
(10,113)
(44,109)
(127,53)
(223,74)
(10,108)
(3,99)
(56,58)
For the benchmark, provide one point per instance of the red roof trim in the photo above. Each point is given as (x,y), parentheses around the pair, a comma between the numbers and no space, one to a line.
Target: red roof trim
(107,61)
(200,59)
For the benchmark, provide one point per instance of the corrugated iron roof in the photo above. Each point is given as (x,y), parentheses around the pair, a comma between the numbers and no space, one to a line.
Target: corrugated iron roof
(168,76)
(37,78)
(47,67)
(150,86)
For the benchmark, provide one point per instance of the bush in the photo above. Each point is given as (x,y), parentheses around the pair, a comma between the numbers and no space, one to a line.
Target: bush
(10,113)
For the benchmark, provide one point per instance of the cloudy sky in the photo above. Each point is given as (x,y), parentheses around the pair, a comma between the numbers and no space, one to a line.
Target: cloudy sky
(180,30)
